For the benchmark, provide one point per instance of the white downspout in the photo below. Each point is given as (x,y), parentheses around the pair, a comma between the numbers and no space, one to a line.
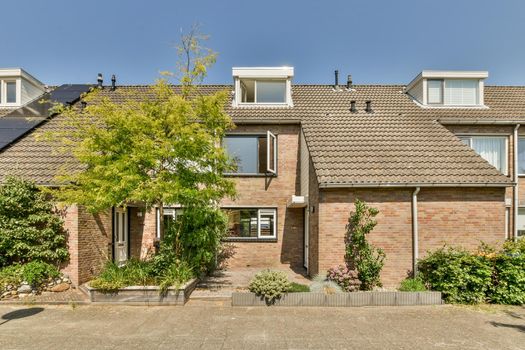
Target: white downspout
(415,234)
(515,188)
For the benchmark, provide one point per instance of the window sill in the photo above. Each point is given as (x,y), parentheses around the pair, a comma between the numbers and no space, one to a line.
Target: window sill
(263,105)
(250,175)
(248,239)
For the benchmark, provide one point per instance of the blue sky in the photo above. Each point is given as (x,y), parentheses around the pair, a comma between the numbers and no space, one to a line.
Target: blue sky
(62,41)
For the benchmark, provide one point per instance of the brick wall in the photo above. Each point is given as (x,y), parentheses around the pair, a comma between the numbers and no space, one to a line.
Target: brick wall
(272,191)
(142,231)
(89,242)
(458,216)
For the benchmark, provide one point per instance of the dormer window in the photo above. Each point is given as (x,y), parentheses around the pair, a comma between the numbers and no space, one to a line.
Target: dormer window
(264,86)
(8,92)
(18,88)
(448,88)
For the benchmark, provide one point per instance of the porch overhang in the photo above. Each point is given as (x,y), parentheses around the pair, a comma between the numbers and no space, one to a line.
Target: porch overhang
(297,202)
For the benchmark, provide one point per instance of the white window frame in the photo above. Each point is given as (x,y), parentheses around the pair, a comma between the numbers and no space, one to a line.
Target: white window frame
(268,212)
(260,211)
(269,170)
(442,102)
(506,155)
(157,215)
(238,93)
(3,93)
(271,140)
(520,137)
(517,229)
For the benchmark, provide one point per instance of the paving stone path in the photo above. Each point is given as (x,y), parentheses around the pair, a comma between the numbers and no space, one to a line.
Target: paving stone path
(196,327)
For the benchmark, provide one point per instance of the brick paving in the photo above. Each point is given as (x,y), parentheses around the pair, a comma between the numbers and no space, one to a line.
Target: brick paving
(222,283)
(137,327)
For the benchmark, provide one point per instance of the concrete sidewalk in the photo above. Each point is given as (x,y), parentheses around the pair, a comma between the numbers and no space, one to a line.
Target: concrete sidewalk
(194,327)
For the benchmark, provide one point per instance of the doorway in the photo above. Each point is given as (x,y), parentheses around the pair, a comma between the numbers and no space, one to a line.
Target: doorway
(120,236)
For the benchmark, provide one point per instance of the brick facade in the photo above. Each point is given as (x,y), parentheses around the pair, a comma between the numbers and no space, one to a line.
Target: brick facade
(455,216)
(272,192)
(89,242)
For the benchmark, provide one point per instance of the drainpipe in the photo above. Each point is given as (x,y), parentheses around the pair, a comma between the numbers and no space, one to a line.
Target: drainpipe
(415,234)
(515,188)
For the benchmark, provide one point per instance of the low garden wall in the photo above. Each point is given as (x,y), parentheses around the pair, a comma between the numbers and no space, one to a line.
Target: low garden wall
(144,294)
(342,299)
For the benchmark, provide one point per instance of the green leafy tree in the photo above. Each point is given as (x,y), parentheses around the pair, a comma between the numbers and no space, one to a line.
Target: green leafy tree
(30,229)
(360,254)
(160,147)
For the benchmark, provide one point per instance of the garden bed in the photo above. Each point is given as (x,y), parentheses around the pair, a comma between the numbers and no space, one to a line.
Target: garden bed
(144,294)
(342,299)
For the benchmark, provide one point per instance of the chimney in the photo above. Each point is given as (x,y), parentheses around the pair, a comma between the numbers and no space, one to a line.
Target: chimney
(336,85)
(100,80)
(353,109)
(113,82)
(368,107)
(349,82)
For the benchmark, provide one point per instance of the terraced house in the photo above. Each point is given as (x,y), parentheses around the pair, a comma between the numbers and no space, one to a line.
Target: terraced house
(441,158)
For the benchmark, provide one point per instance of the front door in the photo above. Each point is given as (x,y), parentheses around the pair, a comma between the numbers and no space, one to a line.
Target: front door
(306,237)
(120,235)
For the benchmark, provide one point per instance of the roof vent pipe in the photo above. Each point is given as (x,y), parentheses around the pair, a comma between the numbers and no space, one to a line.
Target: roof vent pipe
(100,80)
(336,73)
(349,82)
(113,82)
(368,107)
(353,108)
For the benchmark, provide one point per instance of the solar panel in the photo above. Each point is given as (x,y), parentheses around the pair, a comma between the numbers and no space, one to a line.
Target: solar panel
(22,120)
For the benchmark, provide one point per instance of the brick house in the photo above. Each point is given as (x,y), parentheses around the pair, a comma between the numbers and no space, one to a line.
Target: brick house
(441,158)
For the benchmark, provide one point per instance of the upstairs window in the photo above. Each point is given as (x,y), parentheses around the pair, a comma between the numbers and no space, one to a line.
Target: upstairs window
(263,91)
(253,154)
(435,91)
(453,92)
(8,93)
(521,155)
(491,148)
(461,92)
(10,88)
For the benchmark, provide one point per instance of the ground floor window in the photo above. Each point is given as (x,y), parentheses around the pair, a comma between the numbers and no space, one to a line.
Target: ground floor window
(170,215)
(251,223)
(521,222)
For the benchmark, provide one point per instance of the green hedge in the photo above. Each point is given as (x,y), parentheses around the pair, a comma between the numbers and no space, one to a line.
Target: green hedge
(483,276)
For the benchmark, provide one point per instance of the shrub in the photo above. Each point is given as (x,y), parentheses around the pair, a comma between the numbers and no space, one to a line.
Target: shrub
(322,285)
(34,273)
(270,284)
(344,277)
(298,288)
(361,255)
(141,273)
(175,275)
(29,227)
(509,275)
(195,238)
(462,277)
(413,285)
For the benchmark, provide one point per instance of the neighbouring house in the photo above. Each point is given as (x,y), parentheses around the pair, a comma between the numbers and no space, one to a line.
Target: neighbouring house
(441,158)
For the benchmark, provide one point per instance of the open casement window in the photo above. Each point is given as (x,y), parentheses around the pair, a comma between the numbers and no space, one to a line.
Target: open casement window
(251,223)
(253,154)
(271,153)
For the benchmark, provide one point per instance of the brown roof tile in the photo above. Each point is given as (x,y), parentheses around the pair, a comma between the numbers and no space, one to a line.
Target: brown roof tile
(399,143)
